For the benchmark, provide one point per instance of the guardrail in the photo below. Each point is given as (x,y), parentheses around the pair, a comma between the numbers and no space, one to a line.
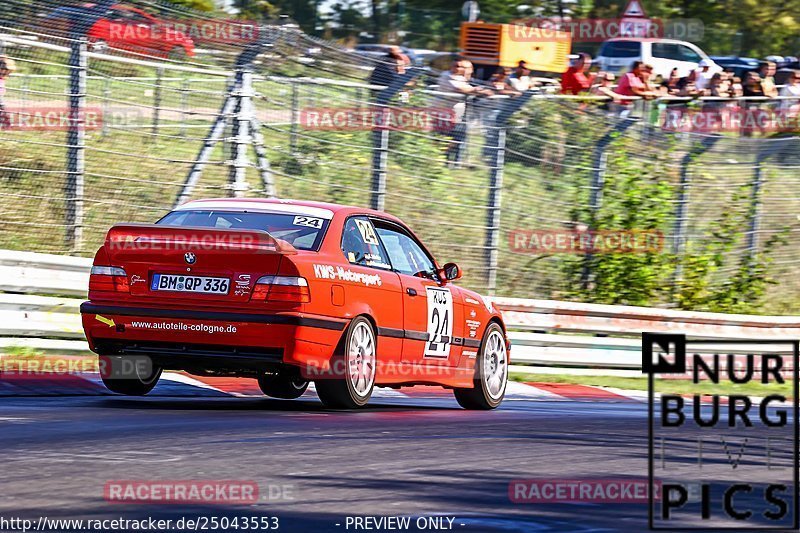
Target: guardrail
(41,295)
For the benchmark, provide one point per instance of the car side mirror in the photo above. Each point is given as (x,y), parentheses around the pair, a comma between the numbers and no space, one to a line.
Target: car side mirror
(452,272)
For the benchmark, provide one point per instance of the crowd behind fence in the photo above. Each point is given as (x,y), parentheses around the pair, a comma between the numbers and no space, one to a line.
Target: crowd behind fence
(477,184)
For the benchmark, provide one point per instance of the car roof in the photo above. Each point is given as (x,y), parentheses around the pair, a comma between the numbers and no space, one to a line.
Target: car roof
(320,209)
(646,40)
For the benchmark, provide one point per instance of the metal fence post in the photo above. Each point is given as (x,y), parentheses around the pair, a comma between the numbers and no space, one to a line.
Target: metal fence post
(157,100)
(681,208)
(493,214)
(241,135)
(380,139)
(495,146)
(755,208)
(184,104)
(295,119)
(599,162)
(106,104)
(764,153)
(380,163)
(76,145)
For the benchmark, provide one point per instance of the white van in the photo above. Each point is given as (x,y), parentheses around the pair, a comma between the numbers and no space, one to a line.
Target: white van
(616,55)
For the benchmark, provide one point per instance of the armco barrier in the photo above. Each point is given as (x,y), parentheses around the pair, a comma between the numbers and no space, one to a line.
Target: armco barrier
(550,333)
(41,294)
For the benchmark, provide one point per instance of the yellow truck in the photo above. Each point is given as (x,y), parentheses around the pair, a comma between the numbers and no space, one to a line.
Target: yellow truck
(489,46)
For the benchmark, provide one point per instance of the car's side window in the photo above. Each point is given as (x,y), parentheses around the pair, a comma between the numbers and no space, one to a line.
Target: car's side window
(687,54)
(361,245)
(405,254)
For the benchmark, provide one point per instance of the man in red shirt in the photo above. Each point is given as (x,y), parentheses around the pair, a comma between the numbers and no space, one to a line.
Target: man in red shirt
(575,80)
(632,83)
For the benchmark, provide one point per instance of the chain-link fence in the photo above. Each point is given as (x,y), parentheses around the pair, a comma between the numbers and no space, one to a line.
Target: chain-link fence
(478,178)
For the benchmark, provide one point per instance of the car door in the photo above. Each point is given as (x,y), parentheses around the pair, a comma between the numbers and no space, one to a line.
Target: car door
(432,312)
(366,262)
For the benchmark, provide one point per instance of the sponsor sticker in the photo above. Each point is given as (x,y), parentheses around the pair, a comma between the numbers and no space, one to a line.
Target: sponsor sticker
(346,274)
(440,322)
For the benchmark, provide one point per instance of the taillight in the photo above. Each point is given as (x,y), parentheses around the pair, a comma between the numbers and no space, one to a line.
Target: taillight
(281,289)
(108,279)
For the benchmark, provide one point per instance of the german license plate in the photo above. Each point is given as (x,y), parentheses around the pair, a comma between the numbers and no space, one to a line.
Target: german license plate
(197,284)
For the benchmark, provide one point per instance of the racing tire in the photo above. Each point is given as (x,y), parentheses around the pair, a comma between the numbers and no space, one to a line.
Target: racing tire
(135,381)
(356,365)
(491,373)
(283,387)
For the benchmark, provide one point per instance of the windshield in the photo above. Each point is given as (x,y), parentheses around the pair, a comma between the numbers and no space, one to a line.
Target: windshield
(301,231)
(621,49)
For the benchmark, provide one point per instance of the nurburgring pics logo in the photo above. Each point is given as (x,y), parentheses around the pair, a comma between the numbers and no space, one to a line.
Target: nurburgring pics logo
(723,460)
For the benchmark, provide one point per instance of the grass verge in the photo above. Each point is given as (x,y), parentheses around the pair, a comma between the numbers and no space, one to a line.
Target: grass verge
(672,386)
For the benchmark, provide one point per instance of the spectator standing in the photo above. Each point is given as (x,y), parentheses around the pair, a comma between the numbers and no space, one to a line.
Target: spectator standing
(520,79)
(687,85)
(704,74)
(632,84)
(670,85)
(737,90)
(390,67)
(500,83)
(7,67)
(767,72)
(752,85)
(575,79)
(791,90)
(456,80)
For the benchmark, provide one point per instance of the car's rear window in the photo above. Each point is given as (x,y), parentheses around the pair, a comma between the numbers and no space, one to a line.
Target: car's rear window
(621,49)
(301,231)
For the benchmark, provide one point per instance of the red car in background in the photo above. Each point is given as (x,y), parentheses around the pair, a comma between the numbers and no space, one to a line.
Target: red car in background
(289,292)
(127,28)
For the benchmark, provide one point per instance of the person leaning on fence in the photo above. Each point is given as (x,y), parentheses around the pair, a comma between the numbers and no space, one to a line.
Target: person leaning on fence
(791,91)
(457,82)
(632,82)
(767,72)
(500,83)
(390,67)
(575,79)
(7,67)
(520,79)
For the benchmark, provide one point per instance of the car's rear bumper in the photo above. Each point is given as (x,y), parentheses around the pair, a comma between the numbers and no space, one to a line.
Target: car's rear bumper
(185,338)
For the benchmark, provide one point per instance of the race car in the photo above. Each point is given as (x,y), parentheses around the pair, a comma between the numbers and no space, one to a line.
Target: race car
(289,292)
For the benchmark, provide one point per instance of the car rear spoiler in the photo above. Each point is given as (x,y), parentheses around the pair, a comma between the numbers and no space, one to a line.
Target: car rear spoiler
(162,237)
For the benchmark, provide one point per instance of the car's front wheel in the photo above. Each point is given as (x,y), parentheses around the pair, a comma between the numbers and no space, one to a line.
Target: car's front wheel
(285,387)
(353,376)
(491,373)
(132,376)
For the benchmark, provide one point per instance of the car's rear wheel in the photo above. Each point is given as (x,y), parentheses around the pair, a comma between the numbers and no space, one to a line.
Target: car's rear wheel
(353,378)
(132,376)
(491,373)
(285,387)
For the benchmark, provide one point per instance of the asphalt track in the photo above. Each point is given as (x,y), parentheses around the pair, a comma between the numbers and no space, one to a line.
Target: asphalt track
(419,456)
